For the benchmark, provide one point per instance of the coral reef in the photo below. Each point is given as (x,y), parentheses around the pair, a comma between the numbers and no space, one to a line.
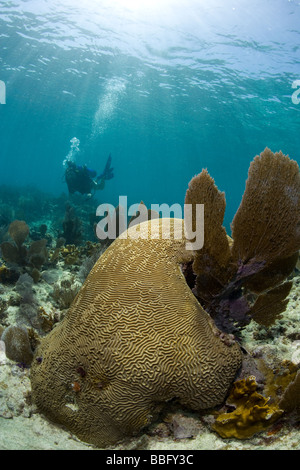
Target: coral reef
(24,287)
(40,232)
(14,251)
(241,279)
(70,254)
(17,253)
(93,253)
(8,275)
(141,338)
(47,319)
(290,400)
(64,292)
(72,227)
(102,366)
(27,203)
(47,215)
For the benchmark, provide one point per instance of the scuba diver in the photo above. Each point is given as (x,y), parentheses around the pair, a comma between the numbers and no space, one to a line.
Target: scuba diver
(84,180)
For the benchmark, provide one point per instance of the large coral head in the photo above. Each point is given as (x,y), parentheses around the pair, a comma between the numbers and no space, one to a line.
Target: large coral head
(134,338)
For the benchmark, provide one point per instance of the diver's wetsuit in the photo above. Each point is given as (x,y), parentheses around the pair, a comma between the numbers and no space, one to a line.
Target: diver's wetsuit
(79,178)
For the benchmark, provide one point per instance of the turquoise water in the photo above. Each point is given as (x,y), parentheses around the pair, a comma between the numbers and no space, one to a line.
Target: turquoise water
(167,87)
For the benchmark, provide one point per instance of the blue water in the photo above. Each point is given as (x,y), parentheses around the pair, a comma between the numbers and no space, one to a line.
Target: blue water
(168,87)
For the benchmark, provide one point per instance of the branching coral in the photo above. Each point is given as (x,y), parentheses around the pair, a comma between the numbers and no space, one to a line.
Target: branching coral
(240,280)
(70,254)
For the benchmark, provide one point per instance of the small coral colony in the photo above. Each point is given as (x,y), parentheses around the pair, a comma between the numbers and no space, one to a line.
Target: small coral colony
(155,327)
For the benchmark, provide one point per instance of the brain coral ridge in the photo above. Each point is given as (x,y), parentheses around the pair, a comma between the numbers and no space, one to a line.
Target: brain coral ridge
(134,338)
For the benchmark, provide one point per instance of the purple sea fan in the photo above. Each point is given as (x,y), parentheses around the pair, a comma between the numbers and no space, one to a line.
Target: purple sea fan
(248,269)
(263,250)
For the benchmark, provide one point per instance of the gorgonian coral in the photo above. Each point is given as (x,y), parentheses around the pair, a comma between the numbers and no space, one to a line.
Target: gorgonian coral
(240,279)
(15,251)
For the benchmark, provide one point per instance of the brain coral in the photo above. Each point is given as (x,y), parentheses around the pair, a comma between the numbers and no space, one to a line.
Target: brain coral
(134,338)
